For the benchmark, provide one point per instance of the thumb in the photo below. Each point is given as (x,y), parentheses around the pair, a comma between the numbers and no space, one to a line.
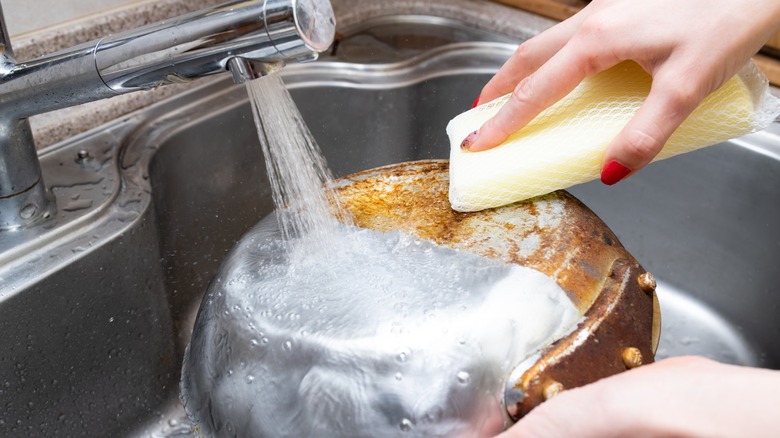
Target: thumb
(665,109)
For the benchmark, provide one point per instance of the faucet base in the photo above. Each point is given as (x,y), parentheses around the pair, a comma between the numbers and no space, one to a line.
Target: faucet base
(27,208)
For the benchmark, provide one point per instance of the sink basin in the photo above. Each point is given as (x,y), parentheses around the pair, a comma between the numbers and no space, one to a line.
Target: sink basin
(96,306)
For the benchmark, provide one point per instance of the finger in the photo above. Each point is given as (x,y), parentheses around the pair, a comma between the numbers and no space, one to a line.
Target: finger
(528,57)
(550,83)
(531,55)
(667,106)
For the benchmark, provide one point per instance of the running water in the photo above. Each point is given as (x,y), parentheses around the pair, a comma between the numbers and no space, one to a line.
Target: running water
(296,167)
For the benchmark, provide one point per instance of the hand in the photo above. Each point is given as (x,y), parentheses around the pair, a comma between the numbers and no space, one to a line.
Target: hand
(686,396)
(690,47)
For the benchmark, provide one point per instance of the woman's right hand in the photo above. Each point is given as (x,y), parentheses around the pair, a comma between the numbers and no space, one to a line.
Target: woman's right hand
(690,47)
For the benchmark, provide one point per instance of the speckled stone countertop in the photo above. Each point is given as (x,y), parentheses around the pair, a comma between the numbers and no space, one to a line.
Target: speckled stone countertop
(56,126)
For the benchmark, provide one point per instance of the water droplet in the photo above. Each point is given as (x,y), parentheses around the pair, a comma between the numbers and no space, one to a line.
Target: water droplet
(434,415)
(463,377)
(406,425)
(399,376)
(403,355)
(287,346)
(249,379)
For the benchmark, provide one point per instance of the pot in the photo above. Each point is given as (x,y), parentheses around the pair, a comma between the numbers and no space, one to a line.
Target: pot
(555,234)
(353,382)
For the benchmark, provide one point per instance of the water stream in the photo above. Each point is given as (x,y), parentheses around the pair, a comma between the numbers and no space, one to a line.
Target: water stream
(295,165)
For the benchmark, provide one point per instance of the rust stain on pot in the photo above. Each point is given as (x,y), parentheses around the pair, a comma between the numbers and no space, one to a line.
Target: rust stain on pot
(554,234)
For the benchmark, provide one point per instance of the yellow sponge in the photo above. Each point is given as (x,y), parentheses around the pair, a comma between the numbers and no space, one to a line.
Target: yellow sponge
(565,144)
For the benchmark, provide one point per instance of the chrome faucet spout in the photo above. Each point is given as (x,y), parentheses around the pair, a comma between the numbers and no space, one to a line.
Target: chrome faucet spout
(239,35)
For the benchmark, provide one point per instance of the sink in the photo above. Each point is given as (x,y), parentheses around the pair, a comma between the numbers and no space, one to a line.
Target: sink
(96,306)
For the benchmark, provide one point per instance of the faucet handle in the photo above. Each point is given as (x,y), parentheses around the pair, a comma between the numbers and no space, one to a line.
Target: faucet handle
(316,23)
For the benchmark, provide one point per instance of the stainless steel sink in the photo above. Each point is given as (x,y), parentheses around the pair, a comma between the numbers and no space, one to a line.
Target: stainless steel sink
(96,306)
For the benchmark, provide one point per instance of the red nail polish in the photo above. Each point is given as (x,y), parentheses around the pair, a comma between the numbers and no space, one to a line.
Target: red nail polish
(476,102)
(469,140)
(613,172)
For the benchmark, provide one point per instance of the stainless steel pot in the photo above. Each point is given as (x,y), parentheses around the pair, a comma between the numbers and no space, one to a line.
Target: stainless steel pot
(555,234)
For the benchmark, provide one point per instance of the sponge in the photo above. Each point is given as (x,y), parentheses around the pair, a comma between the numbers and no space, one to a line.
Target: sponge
(564,145)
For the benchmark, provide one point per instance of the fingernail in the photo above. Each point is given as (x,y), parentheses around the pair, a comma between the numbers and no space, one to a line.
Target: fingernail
(613,173)
(469,140)
(476,102)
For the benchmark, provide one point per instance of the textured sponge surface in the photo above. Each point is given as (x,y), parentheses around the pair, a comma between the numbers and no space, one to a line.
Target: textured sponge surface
(565,144)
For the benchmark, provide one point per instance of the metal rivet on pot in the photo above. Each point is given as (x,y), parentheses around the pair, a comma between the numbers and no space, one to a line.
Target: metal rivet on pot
(552,389)
(647,282)
(632,357)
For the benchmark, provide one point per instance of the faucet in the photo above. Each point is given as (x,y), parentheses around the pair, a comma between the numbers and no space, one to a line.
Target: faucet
(250,38)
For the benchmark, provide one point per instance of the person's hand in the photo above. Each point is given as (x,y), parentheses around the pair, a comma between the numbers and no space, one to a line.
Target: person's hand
(690,47)
(689,396)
